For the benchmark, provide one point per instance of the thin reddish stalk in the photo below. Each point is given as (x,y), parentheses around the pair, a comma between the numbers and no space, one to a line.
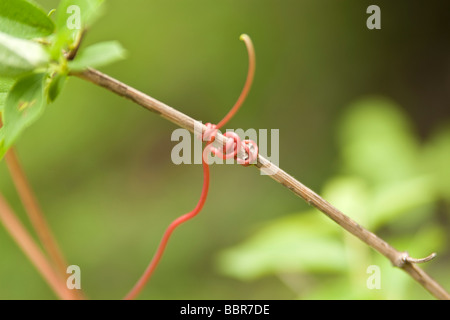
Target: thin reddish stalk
(36,216)
(248,81)
(139,286)
(177,222)
(34,212)
(32,251)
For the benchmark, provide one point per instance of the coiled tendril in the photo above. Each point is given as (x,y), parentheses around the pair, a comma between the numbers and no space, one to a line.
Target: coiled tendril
(230,149)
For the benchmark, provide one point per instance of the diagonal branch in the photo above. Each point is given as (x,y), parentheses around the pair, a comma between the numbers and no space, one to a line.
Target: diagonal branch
(398,259)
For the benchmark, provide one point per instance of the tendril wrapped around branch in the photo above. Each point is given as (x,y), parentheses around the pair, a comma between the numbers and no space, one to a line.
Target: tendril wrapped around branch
(230,149)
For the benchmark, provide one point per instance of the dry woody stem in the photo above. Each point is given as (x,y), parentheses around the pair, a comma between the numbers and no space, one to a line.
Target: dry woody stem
(398,259)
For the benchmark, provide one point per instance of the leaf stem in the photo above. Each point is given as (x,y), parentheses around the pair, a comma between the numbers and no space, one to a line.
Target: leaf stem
(32,251)
(36,216)
(33,210)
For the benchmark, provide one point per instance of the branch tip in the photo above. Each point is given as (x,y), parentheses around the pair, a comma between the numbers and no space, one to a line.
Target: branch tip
(405,258)
(422,260)
(248,82)
(243,37)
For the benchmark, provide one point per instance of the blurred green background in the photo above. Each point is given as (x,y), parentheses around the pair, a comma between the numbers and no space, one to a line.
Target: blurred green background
(363,118)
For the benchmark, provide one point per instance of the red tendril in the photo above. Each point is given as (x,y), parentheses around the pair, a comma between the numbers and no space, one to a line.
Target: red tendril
(230,150)
(231,147)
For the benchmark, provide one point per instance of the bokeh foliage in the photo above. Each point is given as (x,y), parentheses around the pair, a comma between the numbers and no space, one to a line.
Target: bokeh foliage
(363,118)
(385,181)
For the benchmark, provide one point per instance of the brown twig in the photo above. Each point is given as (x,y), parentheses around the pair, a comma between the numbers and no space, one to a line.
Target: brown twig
(398,259)
(33,252)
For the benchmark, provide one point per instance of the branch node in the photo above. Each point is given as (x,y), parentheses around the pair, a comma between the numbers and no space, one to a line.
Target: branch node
(405,258)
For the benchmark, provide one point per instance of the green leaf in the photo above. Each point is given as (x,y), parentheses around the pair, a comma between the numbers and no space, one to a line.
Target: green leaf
(69,11)
(55,86)
(351,195)
(377,206)
(402,198)
(24,104)
(98,55)
(5,86)
(72,17)
(18,56)
(24,19)
(2,143)
(436,160)
(302,242)
(377,142)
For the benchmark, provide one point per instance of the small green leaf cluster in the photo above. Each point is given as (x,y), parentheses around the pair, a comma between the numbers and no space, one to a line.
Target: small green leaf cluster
(38,53)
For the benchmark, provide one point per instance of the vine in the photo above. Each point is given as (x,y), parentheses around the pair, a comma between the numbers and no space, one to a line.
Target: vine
(39,54)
